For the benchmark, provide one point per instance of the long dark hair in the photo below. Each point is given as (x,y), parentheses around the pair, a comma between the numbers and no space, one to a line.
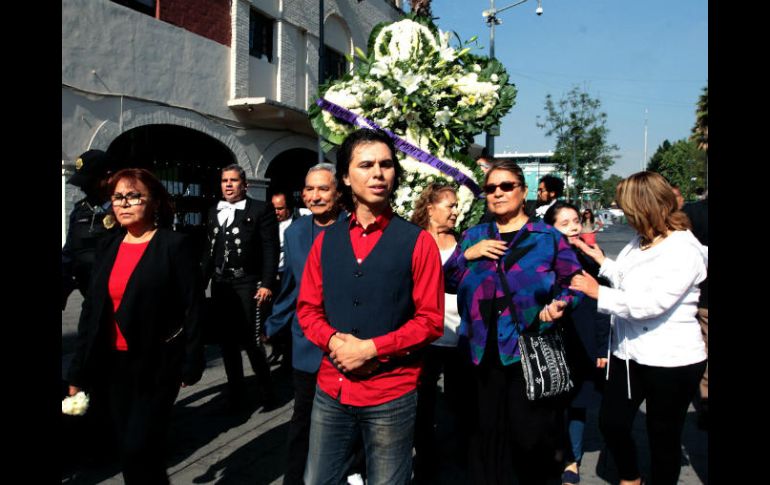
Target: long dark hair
(159,202)
(550,215)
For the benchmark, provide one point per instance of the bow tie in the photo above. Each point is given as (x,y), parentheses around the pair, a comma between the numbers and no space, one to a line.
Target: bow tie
(227,211)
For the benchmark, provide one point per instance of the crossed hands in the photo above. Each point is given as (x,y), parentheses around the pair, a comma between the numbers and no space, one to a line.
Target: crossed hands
(351,354)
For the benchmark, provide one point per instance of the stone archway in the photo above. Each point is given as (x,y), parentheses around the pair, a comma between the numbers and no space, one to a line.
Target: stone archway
(287,172)
(187,161)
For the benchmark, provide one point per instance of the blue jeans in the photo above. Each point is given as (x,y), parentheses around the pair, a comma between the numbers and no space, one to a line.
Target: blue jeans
(387,431)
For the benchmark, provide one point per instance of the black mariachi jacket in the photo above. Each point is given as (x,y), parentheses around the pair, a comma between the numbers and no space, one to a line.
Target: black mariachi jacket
(251,240)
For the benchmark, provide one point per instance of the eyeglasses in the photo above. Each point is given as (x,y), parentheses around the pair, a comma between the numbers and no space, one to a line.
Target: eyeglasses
(539,191)
(133,198)
(490,189)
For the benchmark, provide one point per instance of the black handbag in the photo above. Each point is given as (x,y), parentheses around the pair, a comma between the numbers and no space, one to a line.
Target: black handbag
(543,359)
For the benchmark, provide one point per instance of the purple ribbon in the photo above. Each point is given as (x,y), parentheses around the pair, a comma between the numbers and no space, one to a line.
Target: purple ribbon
(403,145)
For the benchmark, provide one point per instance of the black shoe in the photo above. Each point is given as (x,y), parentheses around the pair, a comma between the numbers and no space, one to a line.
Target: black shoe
(267,398)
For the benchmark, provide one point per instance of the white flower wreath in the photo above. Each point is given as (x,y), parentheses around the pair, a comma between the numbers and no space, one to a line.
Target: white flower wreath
(437,97)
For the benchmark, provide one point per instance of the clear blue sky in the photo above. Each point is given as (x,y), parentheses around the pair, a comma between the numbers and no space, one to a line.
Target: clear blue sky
(631,55)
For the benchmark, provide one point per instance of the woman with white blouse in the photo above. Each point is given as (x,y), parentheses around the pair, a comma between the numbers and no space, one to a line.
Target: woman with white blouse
(658,354)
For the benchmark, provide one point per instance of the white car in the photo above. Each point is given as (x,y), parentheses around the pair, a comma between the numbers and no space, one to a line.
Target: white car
(609,216)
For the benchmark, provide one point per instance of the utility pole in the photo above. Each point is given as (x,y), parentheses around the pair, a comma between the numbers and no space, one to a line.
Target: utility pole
(320,65)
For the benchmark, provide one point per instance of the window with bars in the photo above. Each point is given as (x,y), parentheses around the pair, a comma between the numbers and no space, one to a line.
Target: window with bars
(260,36)
(335,64)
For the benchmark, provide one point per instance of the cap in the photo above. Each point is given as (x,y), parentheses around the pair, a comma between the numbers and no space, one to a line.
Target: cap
(89,167)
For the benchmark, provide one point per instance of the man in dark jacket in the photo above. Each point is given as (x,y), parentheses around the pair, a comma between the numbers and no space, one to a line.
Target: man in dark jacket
(89,221)
(242,261)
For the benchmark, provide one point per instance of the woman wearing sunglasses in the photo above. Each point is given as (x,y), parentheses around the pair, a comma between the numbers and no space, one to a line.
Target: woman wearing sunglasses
(513,435)
(139,334)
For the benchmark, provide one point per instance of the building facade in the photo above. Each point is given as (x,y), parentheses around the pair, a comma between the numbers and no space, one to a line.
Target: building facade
(185,87)
(535,166)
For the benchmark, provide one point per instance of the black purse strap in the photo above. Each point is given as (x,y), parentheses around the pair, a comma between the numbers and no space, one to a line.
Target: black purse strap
(501,275)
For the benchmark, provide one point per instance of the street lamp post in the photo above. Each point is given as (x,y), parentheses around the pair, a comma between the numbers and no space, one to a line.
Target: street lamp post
(492,20)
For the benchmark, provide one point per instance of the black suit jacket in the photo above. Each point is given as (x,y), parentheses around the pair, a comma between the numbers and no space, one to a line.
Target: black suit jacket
(159,314)
(259,242)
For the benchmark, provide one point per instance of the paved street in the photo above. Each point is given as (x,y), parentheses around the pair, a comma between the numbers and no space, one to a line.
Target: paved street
(208,446)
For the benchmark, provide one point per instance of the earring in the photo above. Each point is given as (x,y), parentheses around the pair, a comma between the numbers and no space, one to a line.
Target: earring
(156,219)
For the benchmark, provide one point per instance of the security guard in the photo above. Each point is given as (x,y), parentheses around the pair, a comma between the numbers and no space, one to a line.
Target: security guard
(91,219)
(242,261)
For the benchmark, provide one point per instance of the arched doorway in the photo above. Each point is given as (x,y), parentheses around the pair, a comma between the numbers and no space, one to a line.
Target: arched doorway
(185,160)
(287,173)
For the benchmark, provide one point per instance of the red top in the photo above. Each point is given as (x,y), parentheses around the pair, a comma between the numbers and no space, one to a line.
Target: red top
(128,256)
(426,325)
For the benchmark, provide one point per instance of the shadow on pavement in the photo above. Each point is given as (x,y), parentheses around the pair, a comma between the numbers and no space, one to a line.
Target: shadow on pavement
(198,420)
(262,460)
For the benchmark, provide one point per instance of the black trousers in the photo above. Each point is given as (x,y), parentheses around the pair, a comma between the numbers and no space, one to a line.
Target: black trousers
(668,391)
(299,426)
(459,390)
(235,309)
(514,436)
(141,415)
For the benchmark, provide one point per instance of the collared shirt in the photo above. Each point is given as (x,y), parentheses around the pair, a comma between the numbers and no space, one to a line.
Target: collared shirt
(425,326)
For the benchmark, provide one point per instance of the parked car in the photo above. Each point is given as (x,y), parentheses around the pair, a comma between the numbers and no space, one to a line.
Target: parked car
(610,216)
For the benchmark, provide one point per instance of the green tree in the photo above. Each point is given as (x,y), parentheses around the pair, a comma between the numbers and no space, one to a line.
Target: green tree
(607,188)
(657,158)
(683,165)
(580,128)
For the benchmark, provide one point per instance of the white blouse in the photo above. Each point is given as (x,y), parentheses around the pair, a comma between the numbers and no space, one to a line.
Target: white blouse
(653,301)
(451,315)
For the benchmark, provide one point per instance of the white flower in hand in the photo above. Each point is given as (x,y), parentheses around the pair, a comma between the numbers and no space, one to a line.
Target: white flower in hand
(76,405)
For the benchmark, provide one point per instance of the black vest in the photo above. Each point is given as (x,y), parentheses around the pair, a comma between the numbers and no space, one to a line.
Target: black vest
(375,297)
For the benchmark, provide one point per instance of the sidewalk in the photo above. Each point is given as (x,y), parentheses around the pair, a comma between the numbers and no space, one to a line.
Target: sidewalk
(207,446)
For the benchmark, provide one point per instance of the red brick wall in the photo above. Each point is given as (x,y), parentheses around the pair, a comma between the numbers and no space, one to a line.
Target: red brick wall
(209,18)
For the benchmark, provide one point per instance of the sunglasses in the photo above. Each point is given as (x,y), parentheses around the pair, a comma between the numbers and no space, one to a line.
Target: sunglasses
(490,189)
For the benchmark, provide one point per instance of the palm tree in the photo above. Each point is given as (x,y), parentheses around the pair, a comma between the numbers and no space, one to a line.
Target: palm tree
(700,132)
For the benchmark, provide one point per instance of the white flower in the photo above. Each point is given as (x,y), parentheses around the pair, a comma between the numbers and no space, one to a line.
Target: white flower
(76,405)
(494,77)
(385,98)
(411,82)
(443,116)
(476,68)
(379,69)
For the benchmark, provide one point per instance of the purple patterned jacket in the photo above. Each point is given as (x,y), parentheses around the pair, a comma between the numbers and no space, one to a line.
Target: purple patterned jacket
(538,266)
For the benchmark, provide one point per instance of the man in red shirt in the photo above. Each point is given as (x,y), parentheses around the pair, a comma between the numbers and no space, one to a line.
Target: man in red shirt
(372,294)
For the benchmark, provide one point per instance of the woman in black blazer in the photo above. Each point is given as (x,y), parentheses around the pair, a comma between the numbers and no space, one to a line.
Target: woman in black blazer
(139,335)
